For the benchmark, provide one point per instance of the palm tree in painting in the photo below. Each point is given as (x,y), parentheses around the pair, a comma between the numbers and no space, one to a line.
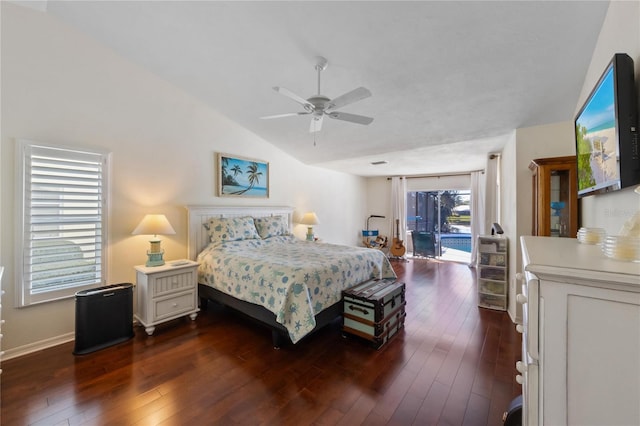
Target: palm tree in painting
(254,174)
(225,162)
(236,170)
(228,179)
(254,177)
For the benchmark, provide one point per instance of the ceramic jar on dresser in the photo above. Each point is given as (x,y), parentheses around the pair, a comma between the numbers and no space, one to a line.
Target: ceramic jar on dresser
(581,343)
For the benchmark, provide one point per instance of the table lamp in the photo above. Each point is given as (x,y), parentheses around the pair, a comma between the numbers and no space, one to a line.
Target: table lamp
(309,219)
(154,224)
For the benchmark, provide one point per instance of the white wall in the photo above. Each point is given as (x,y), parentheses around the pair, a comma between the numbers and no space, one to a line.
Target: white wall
(552,140)
(62,87)
(620,33)
(379,203)
(509,216)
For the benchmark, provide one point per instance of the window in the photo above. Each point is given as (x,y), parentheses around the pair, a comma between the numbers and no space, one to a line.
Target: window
(62,221)
(446,215)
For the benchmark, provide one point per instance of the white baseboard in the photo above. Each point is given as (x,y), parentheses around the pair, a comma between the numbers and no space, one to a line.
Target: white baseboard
(43,344)
(37,346)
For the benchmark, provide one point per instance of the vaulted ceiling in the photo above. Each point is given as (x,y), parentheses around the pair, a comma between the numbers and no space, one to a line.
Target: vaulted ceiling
(450,80)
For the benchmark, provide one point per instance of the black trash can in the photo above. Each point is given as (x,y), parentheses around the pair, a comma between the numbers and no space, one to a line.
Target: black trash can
(104,317)
(513,415)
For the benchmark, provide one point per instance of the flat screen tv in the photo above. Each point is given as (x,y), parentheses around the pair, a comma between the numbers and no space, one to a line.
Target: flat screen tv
(607,132)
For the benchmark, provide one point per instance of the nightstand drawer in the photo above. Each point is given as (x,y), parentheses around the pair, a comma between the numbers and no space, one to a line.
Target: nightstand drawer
(169,282)
(174,306)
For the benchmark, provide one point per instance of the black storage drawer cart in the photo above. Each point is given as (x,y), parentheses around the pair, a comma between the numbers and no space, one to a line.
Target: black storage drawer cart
(374,310)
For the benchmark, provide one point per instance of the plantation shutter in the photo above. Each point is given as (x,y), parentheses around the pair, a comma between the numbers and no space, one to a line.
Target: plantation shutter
(64,221)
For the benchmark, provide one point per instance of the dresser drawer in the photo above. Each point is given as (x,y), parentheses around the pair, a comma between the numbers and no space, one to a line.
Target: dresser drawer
(172,282)
(174,306)
(492,273)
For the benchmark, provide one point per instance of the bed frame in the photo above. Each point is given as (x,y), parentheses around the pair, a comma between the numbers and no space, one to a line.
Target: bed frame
(198,240)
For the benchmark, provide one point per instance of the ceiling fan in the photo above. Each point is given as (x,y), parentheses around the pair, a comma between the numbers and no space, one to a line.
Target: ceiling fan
(319,105)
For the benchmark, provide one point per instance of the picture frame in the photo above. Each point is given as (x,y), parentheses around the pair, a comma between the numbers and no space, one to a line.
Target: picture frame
(242,177)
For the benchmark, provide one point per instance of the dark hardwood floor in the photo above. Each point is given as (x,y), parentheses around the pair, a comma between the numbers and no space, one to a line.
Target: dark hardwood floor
(452,365)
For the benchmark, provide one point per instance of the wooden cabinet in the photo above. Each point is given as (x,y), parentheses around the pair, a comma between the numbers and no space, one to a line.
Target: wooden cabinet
(166,292)
(555,197)
(492,272)
(581,341)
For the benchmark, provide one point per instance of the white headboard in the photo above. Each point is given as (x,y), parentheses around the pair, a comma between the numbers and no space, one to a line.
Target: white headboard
(199,215)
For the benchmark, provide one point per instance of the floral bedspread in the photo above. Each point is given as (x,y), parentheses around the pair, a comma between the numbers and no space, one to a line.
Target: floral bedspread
(292,278)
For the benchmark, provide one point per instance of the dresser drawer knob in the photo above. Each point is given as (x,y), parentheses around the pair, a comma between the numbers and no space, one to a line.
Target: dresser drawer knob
(521,367)
(520,328)
(519,379)
(521,299)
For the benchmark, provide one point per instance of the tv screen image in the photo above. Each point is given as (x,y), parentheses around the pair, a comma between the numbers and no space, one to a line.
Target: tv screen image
(597,147)
(606,133)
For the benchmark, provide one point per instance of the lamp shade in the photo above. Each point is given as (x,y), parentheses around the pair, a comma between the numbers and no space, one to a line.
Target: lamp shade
(154,224)
(309,219)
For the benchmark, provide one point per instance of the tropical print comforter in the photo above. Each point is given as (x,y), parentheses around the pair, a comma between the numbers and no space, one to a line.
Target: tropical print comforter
(292,278)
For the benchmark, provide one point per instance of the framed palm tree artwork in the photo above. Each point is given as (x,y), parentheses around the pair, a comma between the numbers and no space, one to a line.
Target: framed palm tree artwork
(242,177)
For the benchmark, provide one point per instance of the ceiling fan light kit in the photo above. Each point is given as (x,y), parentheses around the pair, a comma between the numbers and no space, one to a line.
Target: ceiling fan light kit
(319,105)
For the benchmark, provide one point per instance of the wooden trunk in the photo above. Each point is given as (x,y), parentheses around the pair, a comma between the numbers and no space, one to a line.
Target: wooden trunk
(374,310)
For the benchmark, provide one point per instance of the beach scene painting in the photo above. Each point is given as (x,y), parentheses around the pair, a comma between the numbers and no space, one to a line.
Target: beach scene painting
(242,177)
(597,147)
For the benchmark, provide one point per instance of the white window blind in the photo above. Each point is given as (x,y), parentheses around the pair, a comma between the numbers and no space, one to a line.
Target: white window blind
(63,221)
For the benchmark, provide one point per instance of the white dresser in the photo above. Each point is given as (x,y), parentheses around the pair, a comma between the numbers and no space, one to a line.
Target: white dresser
(581,342)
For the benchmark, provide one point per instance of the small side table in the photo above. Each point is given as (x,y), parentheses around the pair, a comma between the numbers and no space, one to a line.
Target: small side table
(166,292)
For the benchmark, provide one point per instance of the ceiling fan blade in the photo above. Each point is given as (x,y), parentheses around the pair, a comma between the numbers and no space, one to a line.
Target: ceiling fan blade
(288,93)
(288,114)
(353,118)
(348,98)
(316,123)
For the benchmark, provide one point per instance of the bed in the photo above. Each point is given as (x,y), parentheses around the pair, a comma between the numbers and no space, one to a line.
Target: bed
(249,261)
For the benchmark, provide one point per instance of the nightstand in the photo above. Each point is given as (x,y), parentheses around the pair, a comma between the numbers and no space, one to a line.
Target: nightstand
(166,292)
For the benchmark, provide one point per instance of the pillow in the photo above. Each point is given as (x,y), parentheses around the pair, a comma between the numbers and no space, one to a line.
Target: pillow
(272,226)
(223,229)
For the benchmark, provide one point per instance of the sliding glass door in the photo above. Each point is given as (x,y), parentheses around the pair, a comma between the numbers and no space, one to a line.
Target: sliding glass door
(439,223)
